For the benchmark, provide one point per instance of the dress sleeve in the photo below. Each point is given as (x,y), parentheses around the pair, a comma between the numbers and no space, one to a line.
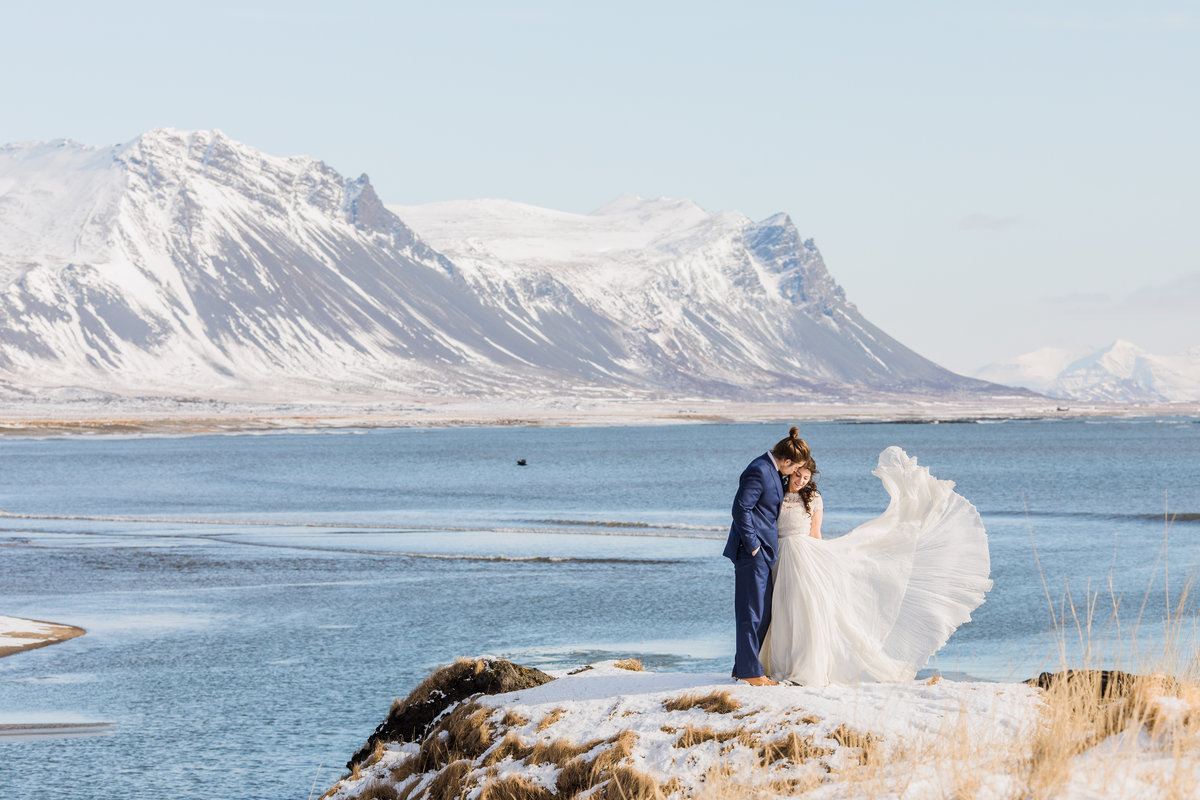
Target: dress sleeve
(815,502)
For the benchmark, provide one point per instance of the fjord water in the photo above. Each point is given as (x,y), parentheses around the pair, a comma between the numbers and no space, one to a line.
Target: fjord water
(254,602)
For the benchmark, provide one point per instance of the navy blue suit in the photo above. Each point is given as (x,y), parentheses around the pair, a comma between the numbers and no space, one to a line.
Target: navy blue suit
(755,527)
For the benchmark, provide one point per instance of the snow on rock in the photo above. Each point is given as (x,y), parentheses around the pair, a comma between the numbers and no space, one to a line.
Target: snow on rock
(604,731)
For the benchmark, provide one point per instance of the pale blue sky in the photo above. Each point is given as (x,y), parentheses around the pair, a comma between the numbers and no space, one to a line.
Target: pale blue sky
(983,179)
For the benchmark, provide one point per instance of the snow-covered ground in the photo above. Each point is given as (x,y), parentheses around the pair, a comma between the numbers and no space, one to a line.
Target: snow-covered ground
(939,738)
(90,413)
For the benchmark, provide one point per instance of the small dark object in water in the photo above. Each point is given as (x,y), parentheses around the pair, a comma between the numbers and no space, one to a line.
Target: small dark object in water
(520,462)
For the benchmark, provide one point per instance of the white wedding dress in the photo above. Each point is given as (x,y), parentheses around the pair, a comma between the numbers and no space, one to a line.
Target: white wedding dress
(874,604)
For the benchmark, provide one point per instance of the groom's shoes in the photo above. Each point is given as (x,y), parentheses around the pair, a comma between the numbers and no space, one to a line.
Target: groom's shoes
(761,680)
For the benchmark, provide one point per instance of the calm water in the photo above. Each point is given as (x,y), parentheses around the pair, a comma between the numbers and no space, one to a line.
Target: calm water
(254,602)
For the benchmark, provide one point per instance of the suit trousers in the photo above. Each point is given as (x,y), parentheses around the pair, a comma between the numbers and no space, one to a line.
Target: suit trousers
(752,587)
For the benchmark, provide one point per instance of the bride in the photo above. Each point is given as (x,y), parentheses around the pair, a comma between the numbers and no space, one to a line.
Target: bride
(873,605)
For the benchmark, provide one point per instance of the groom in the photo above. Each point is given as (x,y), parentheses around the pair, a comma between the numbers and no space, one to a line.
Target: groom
(752,543)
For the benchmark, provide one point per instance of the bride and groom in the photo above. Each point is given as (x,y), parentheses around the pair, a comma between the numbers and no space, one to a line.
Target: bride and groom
(871,605)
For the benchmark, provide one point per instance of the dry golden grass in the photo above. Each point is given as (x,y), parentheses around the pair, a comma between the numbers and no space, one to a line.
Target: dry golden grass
(513,787)
(554,716)
(724,783)
(865,743)
(376,754)
(580,774)
(714,703)
(631,664)
(379,791)
(793,748)
(513,720)
(451,781)
(509,747)
(693,735)
(560,751)
(626,783)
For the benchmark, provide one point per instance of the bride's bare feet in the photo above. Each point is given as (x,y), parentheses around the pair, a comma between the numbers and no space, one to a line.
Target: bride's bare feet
(761,680)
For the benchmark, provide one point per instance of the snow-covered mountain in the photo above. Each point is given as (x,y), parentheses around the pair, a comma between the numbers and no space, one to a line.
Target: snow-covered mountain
(710,302)
(185,262)
(1121,372)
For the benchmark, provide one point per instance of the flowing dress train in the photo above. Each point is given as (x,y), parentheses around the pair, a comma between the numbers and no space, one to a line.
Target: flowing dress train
(874,604)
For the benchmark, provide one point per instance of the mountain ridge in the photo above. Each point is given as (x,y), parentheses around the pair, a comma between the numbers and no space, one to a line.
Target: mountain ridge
(186,262)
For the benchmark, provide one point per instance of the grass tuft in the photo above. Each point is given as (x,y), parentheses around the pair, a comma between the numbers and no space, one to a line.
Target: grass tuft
(866,744)
(794,749)
(714,703)
(554,716)
(513,787)
(693,735)
(513,720)
(631,664)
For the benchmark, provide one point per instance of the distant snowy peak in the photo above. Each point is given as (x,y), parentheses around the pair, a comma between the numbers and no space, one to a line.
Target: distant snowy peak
(1121,372)
(1037,370)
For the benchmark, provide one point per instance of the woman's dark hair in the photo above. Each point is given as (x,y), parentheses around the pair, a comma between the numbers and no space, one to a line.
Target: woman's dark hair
(792,448)
(806,494)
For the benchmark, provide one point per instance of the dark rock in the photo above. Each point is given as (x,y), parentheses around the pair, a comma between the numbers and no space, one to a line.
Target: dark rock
(1108,684)
(409,719)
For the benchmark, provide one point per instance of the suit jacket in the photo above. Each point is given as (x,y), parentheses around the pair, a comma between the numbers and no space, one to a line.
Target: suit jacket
(756,511)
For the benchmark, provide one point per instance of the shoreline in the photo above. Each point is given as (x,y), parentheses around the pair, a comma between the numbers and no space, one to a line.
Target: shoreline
(182,418)
(18,634)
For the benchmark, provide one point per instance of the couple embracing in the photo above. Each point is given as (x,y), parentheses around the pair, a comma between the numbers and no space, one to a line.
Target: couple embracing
(871,605)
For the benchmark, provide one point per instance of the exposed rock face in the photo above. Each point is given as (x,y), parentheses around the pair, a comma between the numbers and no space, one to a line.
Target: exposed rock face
(409,719)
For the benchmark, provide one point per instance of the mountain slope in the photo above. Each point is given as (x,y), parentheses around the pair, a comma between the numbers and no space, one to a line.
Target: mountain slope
(183,259)
(188,263)
(706,302)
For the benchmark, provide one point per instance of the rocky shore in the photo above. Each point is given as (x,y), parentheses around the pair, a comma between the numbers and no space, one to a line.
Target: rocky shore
(489,729)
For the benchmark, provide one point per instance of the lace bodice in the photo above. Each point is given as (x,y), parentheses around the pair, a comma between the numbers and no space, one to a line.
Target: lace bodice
(793,519)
